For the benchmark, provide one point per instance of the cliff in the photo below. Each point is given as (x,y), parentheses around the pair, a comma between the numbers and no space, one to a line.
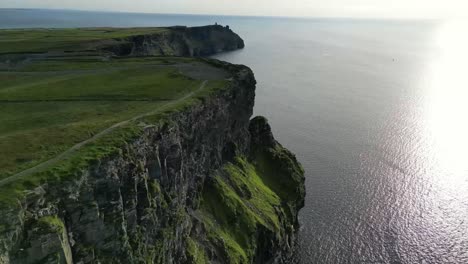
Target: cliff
(177,41)
(151,41)
(197,182)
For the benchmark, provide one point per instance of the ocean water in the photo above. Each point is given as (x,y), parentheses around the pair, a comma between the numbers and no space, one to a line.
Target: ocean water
(375,110)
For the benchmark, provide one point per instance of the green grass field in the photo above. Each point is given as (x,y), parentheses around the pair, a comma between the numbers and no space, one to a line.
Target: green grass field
(121,83)
(43,40)
(47,106)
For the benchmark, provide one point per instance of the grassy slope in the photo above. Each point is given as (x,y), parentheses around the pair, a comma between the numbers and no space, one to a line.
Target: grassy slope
(43,40)
(144,82)
(50,105)
(234,205)
(248,197)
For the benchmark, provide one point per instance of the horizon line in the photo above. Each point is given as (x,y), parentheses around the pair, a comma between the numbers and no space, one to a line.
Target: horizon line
(229,15)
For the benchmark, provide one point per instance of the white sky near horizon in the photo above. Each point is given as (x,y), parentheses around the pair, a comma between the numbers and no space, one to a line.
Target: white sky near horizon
(301,8)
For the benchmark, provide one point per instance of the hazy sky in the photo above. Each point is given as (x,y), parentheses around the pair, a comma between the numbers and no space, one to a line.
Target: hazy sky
(333,8)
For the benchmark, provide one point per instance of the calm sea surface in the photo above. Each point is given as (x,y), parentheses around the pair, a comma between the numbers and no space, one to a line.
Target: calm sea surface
(376,111)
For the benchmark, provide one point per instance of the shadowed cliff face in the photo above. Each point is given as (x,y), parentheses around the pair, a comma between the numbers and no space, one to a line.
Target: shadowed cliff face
(178,41)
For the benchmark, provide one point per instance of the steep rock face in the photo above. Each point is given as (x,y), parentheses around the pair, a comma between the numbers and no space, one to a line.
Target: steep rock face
(178,41)
(249,207)
(158,199)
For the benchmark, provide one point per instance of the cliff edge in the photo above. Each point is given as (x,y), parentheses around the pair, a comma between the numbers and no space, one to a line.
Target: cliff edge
(190,178)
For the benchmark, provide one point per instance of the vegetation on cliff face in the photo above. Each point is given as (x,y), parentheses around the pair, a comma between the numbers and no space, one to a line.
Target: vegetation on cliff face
(245,200)
(236,202)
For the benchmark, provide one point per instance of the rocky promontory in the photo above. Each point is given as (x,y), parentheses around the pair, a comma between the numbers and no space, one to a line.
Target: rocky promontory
(177,41)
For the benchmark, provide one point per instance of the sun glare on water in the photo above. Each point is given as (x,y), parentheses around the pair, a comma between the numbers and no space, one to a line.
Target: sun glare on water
(446,104)
(437,196)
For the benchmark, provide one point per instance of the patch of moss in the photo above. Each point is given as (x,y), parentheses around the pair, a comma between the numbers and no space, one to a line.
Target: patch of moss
(195,253)
(233,251)
(155,187)
(52,222)
(236,202)
(276,162)
(262,200)
(150,256)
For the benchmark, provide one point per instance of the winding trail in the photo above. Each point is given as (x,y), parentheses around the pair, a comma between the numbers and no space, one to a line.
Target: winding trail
(41,166)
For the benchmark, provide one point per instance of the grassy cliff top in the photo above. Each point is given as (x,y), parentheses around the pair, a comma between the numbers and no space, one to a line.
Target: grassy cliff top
(70,39)
(56,108)
(64,102)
